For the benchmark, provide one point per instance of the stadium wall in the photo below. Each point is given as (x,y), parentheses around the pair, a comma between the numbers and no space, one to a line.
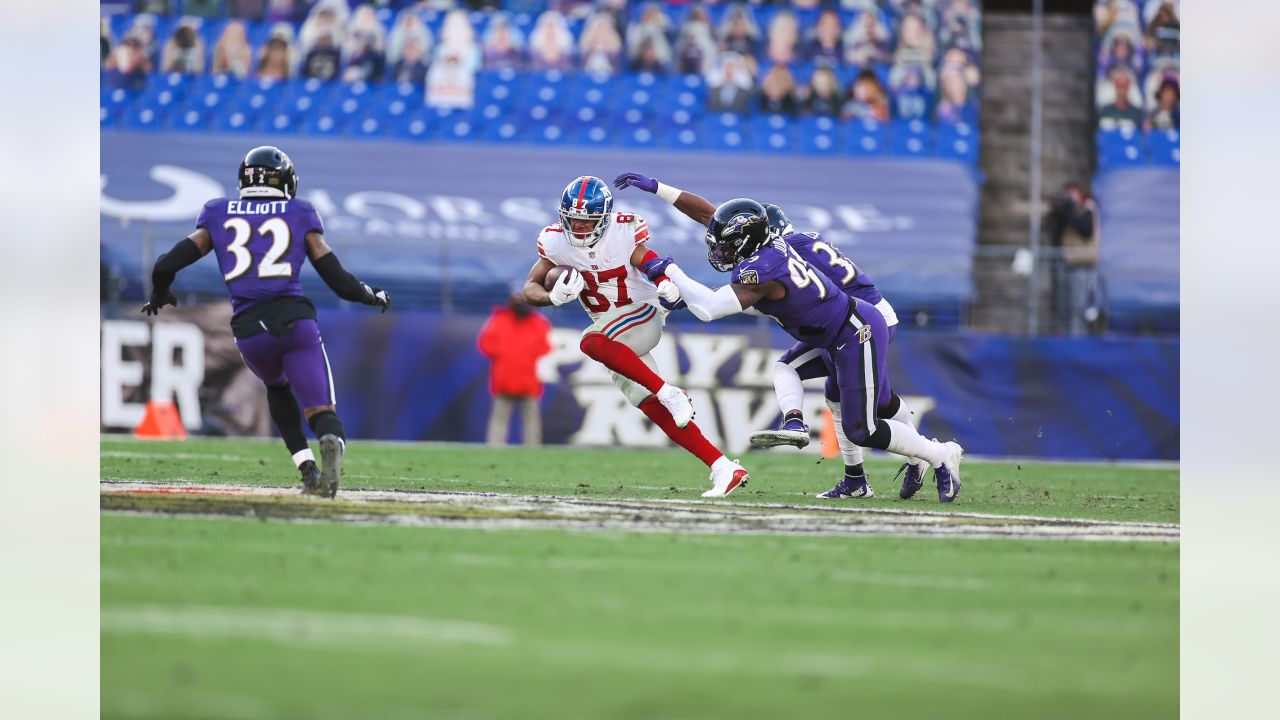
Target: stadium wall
(419,376)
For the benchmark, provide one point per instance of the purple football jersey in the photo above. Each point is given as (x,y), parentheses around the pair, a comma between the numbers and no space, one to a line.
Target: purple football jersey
(260,244)
(814,310)
(828,259)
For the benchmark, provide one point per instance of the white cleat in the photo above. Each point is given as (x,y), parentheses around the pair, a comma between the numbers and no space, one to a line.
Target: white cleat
(728,478)
(947,475)
(677,402)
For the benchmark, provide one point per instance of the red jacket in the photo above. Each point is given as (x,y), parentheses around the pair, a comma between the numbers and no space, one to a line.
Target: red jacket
(514,345)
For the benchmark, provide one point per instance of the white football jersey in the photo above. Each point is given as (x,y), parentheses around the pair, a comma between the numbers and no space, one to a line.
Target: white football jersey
(611,279)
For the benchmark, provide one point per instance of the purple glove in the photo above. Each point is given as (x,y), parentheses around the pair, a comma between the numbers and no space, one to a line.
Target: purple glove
(636,180)
(677,305)
(656,267)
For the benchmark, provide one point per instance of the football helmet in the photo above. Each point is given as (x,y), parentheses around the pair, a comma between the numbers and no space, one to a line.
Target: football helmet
(267,172)
(586,198)
(779,224)
(738,229)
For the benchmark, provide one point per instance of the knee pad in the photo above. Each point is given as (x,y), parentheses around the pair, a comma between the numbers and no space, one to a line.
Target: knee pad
(592,344)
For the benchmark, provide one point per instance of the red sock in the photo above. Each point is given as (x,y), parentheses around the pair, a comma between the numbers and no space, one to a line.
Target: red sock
(688,437)
(620,359)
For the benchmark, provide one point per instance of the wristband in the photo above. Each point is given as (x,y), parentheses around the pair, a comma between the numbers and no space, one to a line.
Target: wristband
(668,193)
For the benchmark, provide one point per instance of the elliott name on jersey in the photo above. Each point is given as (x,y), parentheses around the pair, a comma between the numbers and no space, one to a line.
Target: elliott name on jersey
(611,280)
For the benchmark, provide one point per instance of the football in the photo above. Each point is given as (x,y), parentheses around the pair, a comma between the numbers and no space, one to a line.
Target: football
(553,275)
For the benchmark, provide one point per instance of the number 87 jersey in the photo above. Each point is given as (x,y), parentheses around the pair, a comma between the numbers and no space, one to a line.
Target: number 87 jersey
(611,280)
(260,244)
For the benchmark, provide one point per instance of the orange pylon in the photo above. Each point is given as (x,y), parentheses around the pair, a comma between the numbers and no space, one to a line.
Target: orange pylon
(161,422)
(830,445)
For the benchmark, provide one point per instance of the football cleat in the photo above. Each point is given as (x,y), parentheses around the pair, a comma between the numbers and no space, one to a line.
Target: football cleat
(914,479)
(849,487)
(310,477)
(331,448)
(947,475)
(727,479)
(793,432)
(677,402)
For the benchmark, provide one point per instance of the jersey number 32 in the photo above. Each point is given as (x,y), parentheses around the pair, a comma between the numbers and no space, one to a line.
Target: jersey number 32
(269,266)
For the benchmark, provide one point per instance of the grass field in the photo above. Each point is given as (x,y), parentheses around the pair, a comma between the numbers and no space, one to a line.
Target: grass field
(485,607)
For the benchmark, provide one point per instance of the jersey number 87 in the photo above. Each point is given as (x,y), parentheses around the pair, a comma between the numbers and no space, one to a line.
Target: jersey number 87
(595,300)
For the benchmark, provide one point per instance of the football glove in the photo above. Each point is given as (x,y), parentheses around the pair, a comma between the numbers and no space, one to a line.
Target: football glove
(668,291)
(567,287)
(656,268)
(379,297)
(673,306)
(636,180)
(158,301)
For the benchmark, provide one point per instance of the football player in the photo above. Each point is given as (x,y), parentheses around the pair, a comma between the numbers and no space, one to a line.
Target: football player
(604,249)
(261,239)
(802,361)
(771,276)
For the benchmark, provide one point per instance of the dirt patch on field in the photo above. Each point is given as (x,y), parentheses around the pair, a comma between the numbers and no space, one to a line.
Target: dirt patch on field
(520,511)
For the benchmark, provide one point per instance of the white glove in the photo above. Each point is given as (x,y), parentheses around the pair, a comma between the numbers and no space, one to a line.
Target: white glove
(567,287)
(668,291)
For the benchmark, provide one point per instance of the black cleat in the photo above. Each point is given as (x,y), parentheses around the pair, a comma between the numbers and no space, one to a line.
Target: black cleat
(310,477)
(331,455)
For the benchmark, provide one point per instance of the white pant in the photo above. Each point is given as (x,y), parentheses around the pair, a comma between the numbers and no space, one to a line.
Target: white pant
(639,327)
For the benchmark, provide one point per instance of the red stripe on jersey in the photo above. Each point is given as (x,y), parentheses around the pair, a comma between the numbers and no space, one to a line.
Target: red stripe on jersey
(553,228)
(642,234)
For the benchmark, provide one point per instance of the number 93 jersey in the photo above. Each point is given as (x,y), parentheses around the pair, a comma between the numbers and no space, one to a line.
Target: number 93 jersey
(260,244)
(611,280)
(814,309)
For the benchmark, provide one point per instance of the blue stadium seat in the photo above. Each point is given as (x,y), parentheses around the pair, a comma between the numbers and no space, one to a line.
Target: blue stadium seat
(910,145)
(233,122)
(411,126)
(504,131)
(324,124)
(686,138)
(587,116)
(774,140)
(301,105)
(255,102)
(550,134)
(819,135)
(734,139)
(361,91)
(1165,147)
(107,118)
(865,137)
(502,94)
(266,86)
(1123,147)
(144,118)
(368,127)
(117,99)
(538,114)
(594,136)
(461,128)
(221,83)
(639,137)
(392,107)
(280,123)
(408,92)
(958,146)
(632,118)
(678,118)
(189,119)
(163,99)
(176,83)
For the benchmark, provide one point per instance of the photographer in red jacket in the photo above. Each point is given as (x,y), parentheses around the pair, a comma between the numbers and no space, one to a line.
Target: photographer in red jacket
(513,338)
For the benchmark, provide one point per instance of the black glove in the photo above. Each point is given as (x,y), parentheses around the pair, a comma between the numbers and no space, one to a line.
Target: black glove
(380,298)
(158,301)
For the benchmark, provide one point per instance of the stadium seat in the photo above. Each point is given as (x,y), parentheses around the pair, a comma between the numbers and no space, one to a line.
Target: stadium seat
(255,102)
(773,133)
(461,128)
(221,83)
(189,119)
(733,139)
(144,118)
(360,91)
(865,137)
(280,122)
(593,136)
(551,134)
(1165,147)
(639,137)
(233,122)
(587,116)
(176,83)
(910,145)
(685,138)
(117,99)
(324,124)
(632,118)
(956,147)
(819,135)
(678,118)
(504,131)
(369,126)
(107,118)
(411,126)
(1123,147)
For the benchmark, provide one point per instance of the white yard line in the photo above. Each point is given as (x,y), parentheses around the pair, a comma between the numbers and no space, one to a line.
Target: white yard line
(673,515)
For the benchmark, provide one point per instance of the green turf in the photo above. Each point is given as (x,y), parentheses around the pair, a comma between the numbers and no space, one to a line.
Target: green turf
(199,623)
(1108,492)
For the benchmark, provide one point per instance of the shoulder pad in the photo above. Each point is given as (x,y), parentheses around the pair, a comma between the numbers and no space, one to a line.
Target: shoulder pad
(767,264)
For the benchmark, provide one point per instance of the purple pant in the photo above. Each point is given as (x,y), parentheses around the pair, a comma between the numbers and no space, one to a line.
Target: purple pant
(811,362)
(861,378)
(297,358)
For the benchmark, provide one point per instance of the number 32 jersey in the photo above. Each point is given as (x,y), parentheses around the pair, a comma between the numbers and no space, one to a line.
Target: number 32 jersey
(611,280)
(814,310)
(260,244)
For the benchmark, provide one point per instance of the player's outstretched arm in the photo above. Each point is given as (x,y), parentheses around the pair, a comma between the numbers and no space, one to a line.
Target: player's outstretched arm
(187,250)
(694,206)
(342,283)
(642,258)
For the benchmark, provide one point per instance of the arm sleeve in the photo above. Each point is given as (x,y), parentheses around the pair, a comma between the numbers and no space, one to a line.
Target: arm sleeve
(342,283)
(167,265)
(705,304)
